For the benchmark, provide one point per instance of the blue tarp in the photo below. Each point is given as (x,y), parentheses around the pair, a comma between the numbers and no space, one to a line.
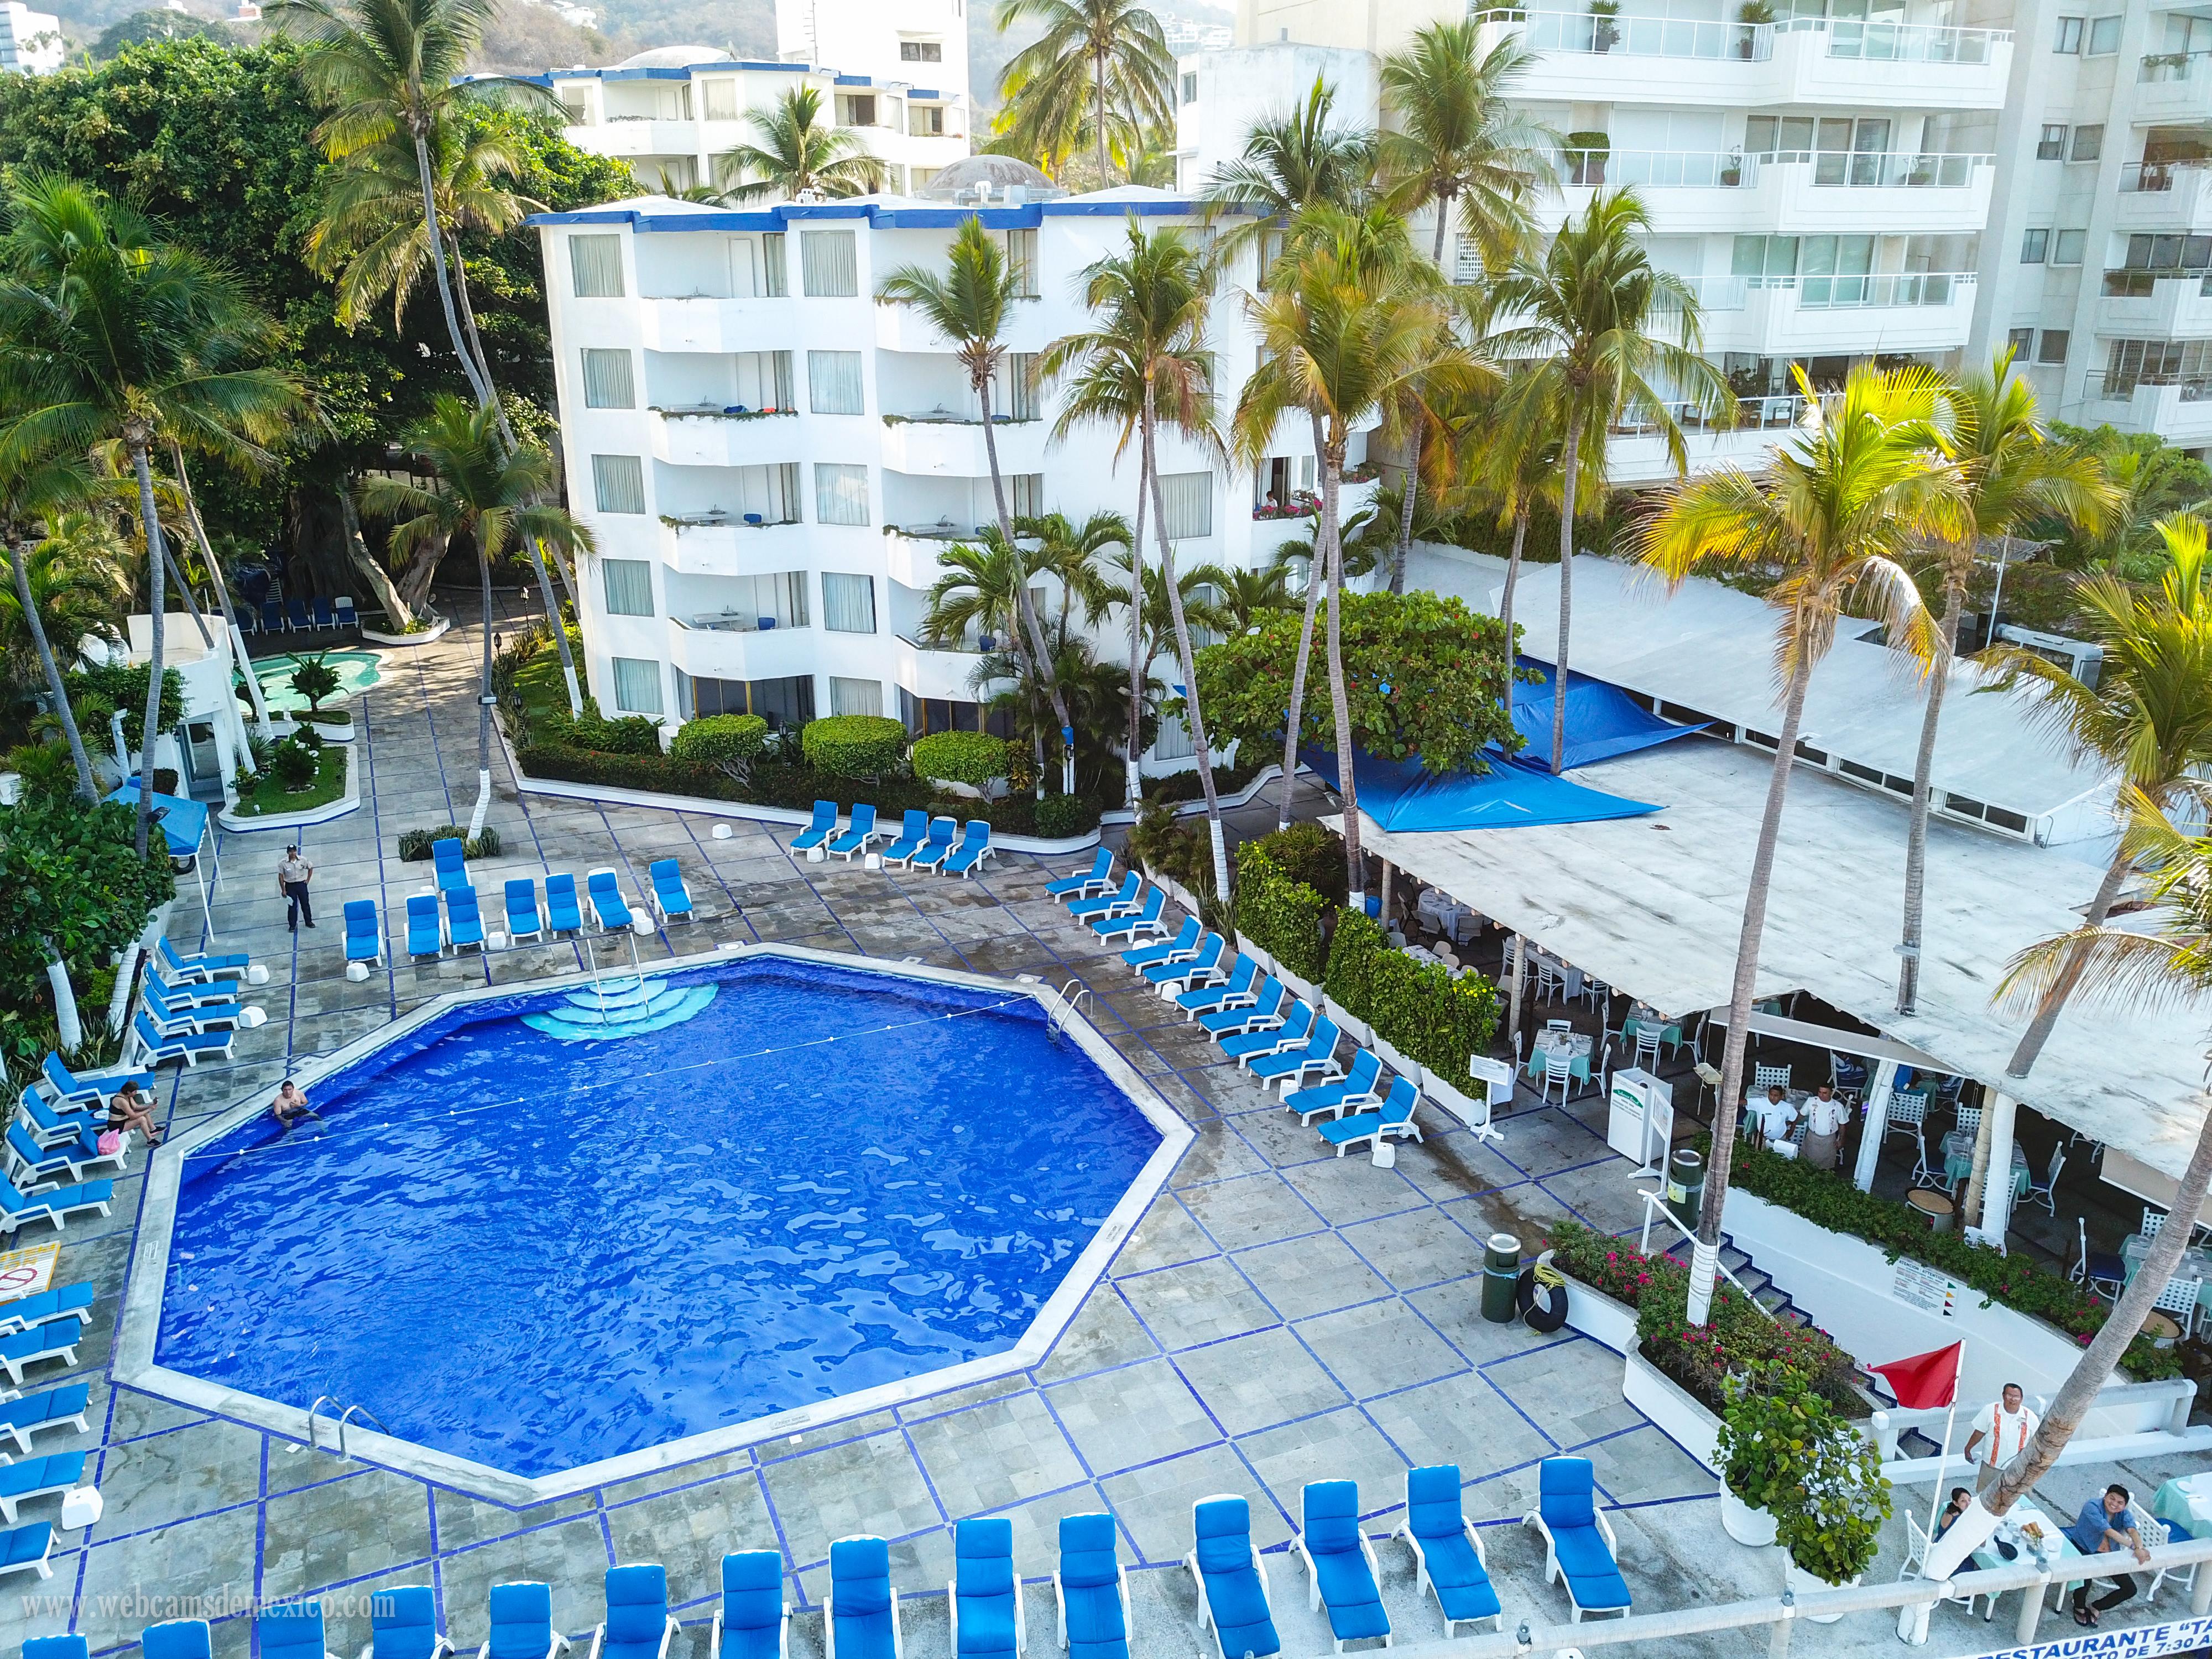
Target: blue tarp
(1513,794)
(1601,720)
(184,822)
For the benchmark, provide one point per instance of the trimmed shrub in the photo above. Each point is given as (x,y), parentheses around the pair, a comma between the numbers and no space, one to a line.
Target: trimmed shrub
(974,758)
(1309,853)
(1422,1009)
(1280,912)
(854,745)
(293,762)
(415,844)
(1059,817)
(633,734)
(731,742)
(1163,846)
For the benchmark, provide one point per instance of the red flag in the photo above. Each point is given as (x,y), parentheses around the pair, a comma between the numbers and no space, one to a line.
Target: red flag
(1925,1379)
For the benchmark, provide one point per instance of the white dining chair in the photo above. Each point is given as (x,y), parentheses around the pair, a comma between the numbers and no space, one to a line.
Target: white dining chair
(2046,1194)
(1970,1119)
(1647,1045)
(2156,1532)
(2178,1301)
(2152,1221)
(1908,1116)
(1558,1067)
(1764,1077)
(1916,1559)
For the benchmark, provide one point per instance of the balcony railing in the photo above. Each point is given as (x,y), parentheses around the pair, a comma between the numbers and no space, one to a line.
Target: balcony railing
(2119,388)
(733,622)
(1752,414)
(2132,284)
(2157,177)
(1662,169)
(1830,292)
(716,517)
(1682,37)
(1902,43)
(2174,66)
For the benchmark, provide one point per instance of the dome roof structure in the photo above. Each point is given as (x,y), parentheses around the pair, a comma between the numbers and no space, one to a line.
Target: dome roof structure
(675,58)
(989,178)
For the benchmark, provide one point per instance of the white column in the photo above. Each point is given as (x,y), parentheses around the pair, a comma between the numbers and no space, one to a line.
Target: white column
(1877,1121)
(1996,1184)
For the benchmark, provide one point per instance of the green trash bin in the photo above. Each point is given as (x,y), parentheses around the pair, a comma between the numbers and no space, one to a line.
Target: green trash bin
(1501,1278)
(1686,1185)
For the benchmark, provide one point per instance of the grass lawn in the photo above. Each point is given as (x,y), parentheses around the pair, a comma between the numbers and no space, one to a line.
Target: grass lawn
(269,795)
(541,686)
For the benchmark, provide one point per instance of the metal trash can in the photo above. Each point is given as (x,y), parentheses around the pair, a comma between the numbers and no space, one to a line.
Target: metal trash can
(1501,1278)
(1686,1185)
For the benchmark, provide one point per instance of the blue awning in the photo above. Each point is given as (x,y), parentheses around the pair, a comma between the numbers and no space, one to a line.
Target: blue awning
(184,822)
(1400,796)
(1601,720)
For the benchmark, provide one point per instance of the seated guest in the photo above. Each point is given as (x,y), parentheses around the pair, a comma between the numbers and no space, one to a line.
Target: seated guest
(1961,1499)
(127,1108)
(2105,1526)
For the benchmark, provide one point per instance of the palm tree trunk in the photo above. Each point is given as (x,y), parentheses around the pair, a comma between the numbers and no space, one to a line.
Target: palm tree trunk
(1197,716)
(185,592)
(156,601)
(1099,92)
(1140,667)
(484,700)
(88,789)
(68,1026)
(1573,458)
(1505,603)
(1916,833)
(222,587)
(1316,579)
(2047,1013)
(1031,627)
(1444,213)
(477,383)
(357,554)
(1348,785)
(1409,494)
(1705,1262)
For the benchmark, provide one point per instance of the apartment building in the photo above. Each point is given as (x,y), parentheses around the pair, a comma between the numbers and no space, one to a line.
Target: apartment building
(30,41)
(775,465)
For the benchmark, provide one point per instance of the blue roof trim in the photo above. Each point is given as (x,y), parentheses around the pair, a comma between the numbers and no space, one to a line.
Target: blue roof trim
(854,81)
(684,72)
(1026,216)
(923,92)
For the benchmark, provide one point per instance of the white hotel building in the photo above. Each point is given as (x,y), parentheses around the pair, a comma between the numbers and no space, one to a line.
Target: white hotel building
(777,562)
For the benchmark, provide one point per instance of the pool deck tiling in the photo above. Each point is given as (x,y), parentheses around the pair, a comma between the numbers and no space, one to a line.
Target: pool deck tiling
(1279,1315)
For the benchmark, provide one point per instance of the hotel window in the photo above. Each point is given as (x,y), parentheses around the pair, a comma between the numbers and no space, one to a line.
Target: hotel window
(858,110)
(1021,385)
(921,51)
(926,121)
(618,484)
(2105,36)
(775,276)
(629,584)
(2053,350)
(1022,261)
(2051,146)
(1188,504)
(833,383)
(1190,88)
(637,685)
(848,604)
(841,492)
(2067,247)
(595,266)
(2035,246)
(828,264)
(722,100)
(2089,142)
(2021,342)
(1025,493)
(576,105)
(855,697)
(2070,30)
(607,380)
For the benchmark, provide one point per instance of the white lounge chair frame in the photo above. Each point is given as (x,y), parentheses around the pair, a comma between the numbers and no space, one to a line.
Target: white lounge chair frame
(1535,1518)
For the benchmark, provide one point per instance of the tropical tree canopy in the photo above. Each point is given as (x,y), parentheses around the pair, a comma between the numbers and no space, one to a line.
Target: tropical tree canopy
(1100,75)
(799,157)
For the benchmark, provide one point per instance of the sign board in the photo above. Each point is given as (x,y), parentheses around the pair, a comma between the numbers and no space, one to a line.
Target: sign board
(26,1273)
(1641,1122)
(1919,1285)
(2143,1642)
(1496,1076)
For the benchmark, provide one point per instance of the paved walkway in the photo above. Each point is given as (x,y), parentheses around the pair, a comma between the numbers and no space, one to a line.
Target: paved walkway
(1280,1316)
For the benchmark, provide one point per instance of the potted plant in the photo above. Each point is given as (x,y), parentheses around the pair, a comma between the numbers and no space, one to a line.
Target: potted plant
(1829,1519)
(1587,152)
(1605,33)
(1732,170)
(315,679)
(1761,1448)
(1751,14)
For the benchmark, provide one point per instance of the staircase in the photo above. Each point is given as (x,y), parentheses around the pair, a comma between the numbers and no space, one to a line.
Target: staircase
(627,1007)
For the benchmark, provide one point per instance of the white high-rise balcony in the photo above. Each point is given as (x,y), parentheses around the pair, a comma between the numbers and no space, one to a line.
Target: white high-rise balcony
(2175,197)
(1815,315)
(1785,193)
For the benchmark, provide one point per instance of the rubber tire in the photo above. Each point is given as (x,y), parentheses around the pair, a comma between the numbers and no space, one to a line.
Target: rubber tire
(1547,1316)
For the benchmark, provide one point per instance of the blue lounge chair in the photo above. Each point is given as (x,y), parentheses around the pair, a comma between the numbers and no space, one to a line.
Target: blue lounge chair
(1340,1563)
(911,838)
(1129,897)
(342,608)
(31,1311)
(33,1169)
(1239,989)
(638,1624)
(1579,1550)
(670,897)
(295,613)
(465,928)
(859,836)
(425,929)
(403,1624)
(201,964)
(25,1549)
(183,993)
(1090,1590)
(861,1621)
(1358,1087)
(1263,1013)
(17,1212)
(67,1088)
(1447,1550)
(325,618)
(818,829)
(180,1638)
(1181,948)
(603,895)
(561,914)
(364,932)
(1394,1118)
(248,623)
(52,1128)
(171,1021)
(1292,1067)
(449,863)
(965,859)
(937,848)
(1296,1028)
(752,1618)
(291,1630)
(1145,920)
(38,1477)
(188,1047)
(1231,1579)
(56,1408)
(524,920)
(1201,967)
(1098,879)
(984,1599)
(59,1204)
(272,616)
(522,1623)
(26,1348)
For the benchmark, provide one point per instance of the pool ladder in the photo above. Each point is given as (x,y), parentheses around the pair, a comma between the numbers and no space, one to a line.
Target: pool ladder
(367,1416)
(1072,998)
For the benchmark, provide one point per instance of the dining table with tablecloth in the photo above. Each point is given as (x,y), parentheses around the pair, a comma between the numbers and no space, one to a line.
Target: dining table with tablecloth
(2196,1263)
(2188,1500)
(1579,1046)
(1959,1162)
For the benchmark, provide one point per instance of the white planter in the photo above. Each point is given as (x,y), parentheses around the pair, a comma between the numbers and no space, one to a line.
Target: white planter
(1308,994)
(334,728)
(1802,1582)
(1474,1114)
(431,635)
(1356,1029)
(1265,963)
(1660,1398)
(1611,1324)
(1396,1061)
(1745,1522)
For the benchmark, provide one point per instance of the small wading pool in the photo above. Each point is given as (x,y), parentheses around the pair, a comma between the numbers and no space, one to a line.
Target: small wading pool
(537,1254)
(356,670)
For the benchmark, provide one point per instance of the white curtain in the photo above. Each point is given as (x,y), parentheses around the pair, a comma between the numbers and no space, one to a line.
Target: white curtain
(833,383)
(848,604)
(828,264)
(608,381)
(595,265)
(637,685)
(841,492)
(855,697)
(618,484)
(722,100)
(628,584)
(1189,503)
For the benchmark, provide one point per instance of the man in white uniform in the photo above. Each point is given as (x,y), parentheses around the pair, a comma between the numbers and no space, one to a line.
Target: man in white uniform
(1824,1117)
(2008,1425)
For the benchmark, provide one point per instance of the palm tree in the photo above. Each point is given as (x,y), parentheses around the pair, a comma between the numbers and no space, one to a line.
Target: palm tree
(1201,585)
(799,156)
(121,335)
(1247,596)
(483,490)
(979,592)
(1512,455)
(2011,474)
(2147,719)
(2149,481)
(969,306)
(1457,142)
(79,595)
(1837,510)
(1589,310)
(1291,161)
(1072,554)
(1107,56)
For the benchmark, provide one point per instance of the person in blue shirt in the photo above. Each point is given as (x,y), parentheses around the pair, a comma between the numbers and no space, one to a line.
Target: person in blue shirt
(2105,1526)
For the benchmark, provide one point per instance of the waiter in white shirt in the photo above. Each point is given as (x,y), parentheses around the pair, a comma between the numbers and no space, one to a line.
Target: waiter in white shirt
(1824,1117)
(2006,1425)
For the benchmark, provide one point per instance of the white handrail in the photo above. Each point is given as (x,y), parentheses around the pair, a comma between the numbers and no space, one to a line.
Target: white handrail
(1655,1204)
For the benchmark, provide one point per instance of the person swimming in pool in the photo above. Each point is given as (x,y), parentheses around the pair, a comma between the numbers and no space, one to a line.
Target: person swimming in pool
(291,1105)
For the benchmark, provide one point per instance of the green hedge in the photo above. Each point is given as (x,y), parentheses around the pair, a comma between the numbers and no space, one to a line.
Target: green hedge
(719,740)
(1277,912)
(974,758)
(854,745)
(1829,1201)
(1420,1008)
(633,734)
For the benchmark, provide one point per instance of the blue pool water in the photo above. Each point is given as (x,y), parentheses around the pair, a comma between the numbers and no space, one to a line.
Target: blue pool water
(538,1253)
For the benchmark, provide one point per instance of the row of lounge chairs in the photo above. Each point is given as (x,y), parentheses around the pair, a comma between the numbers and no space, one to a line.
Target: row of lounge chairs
(461,926)
(922,844)
(188,1006)
(33,1329)
(298,616)
(52,1149)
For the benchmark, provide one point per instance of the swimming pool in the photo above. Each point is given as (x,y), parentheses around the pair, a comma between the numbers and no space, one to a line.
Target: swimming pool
(535,1254)
(356,670)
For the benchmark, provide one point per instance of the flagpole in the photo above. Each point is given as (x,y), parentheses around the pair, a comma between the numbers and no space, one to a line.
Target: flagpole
(1944,1450)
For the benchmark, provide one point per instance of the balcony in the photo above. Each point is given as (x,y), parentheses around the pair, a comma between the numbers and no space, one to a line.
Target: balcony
(933,672)
(2174,89)
(719,547)
(1636,454)
(637,135)
(1582,57)
(914,557)
(2156,304)
(903,328)
(703,323)
(701,437)
(731,647)
(2179,412)
(1806,315)
(945,446)
(2173,196)
(1788,192)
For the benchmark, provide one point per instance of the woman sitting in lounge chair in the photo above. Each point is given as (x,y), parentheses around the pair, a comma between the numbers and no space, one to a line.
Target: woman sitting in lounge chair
(127,1108)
